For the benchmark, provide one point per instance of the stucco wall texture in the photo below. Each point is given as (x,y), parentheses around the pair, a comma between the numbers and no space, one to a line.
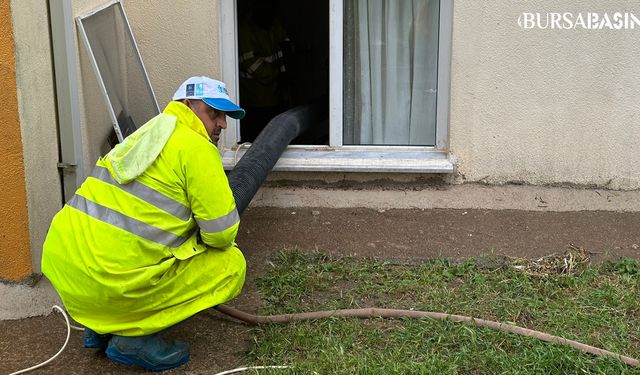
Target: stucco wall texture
(545,106)
(36,104)
(14,237)
(177,42)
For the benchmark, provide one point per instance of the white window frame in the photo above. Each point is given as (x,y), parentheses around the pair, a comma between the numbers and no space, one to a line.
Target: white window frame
(336,157)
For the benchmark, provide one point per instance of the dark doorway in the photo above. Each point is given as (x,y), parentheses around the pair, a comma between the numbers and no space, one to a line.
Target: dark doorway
(283,55)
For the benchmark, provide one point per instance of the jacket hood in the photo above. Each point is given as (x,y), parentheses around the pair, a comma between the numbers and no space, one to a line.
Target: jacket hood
(130,158)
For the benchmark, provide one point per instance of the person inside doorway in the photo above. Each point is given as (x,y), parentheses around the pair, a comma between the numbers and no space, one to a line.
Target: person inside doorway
(264,48)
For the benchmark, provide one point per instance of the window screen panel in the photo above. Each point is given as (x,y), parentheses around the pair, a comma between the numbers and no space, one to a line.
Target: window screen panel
(119,69)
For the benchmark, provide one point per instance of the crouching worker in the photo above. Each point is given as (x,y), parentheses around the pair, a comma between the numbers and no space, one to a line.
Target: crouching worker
(148,239)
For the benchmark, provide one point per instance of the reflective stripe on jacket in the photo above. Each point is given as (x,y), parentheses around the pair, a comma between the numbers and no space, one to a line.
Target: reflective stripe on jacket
(148,239)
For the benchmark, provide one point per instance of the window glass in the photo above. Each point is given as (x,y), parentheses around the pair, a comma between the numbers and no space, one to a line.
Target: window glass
(390,72)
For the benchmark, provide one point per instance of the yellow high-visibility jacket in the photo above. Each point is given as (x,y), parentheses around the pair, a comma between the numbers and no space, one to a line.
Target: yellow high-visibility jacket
(148,239)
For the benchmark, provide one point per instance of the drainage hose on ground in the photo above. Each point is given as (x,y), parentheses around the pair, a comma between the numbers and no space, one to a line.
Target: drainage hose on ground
(251,171)
(368,313)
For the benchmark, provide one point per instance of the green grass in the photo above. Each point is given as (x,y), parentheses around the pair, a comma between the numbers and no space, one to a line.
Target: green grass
(598,305)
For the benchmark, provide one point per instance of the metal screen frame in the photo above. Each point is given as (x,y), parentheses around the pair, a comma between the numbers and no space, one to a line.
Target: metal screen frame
(96,69)
(67,100)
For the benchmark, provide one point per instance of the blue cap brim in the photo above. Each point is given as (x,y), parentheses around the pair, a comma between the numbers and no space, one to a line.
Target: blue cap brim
(226,106)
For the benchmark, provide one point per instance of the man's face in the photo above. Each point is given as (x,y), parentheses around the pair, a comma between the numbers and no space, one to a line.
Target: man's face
(214,121)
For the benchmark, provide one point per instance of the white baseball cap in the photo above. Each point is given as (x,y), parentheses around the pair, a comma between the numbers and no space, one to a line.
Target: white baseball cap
(210,91)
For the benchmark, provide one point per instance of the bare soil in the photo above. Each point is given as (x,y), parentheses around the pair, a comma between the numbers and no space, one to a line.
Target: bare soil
(218,343)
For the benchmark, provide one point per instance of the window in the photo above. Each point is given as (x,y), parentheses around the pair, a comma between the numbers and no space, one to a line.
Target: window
(388,85)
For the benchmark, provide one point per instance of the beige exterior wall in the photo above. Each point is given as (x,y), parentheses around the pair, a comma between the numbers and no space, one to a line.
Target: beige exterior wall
(177,40)
(544,106)
(36,103)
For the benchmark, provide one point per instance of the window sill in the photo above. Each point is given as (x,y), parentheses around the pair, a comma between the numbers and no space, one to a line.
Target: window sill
(354,159)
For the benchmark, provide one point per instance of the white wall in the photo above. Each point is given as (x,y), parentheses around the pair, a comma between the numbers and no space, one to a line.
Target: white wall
(545,106)
(177,39)
(36,102)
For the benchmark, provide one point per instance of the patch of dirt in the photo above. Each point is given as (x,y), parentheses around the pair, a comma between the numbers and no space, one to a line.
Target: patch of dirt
(428,234)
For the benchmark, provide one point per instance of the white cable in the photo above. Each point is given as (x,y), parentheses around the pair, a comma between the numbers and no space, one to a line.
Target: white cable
(55,307)
(66,341)
(242,369)
(240,146)
(75,328)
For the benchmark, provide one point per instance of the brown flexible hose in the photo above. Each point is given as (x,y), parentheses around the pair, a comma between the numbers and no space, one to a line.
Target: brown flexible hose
(394,314)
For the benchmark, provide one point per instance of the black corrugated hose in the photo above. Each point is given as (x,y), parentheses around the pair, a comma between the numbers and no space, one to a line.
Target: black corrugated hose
(252,169)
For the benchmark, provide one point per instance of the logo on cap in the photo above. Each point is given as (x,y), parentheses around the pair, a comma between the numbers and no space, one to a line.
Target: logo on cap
(222,90)
(199,89)
(189,89)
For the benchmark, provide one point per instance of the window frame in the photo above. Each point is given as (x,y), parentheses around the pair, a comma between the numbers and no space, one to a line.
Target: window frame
(337,157)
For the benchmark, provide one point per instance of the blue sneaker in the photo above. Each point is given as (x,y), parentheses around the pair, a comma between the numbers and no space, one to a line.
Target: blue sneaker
(150,352)
(95,340)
